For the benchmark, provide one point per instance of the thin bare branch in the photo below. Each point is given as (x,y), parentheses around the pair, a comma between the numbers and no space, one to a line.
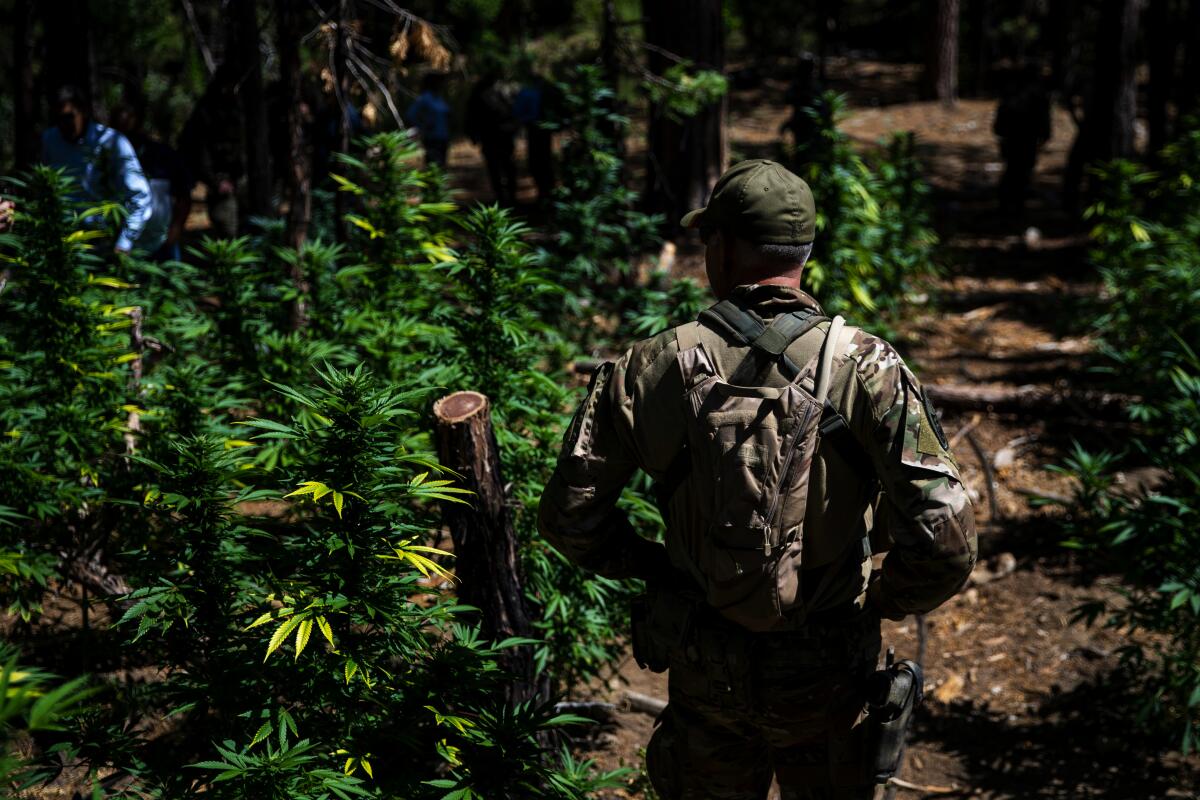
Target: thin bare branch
(189,11)
(355,64)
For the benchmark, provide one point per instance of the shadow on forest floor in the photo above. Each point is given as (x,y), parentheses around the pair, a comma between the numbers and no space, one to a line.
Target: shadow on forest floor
(1076,744)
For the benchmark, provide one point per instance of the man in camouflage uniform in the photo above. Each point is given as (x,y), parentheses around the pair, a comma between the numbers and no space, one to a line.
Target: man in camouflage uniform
(788,702)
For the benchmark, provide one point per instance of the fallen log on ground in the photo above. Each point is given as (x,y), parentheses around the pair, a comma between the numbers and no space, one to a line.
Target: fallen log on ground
(1032,399)
(644,703)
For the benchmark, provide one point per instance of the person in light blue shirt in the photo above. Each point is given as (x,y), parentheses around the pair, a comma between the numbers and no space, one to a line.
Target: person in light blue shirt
(102,162)
(430,115)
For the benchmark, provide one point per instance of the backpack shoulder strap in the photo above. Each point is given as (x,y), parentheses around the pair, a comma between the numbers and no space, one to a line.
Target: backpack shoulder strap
(834,427)
(768,342)
(744,326)
(687,336)
(829,350)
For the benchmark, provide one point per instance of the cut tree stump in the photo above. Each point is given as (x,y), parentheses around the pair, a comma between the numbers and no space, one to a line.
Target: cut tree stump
(485,547)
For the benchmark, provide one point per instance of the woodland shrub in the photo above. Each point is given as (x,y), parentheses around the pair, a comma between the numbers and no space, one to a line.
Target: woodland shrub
(1147,236)
(599,232)
(875,241)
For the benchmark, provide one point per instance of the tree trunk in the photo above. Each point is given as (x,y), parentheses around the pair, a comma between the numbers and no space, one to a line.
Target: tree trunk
(485,547)
(298,173)
(685,157)
(1060,27)
(1107,129)
(1187,100)
(66,32)
(941,71)
(981,44)
(1118,92)
(341,84)
(608,44)
(1160,35)
(248,54)
(612,77)
(825,26)
(25,146)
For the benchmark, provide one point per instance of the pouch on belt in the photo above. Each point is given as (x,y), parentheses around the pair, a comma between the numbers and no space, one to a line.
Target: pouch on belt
(662,620)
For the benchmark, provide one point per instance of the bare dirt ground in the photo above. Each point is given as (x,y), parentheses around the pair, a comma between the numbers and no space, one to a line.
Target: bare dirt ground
(1018,702)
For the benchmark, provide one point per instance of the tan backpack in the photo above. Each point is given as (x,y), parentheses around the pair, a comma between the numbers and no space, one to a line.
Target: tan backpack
(747,462)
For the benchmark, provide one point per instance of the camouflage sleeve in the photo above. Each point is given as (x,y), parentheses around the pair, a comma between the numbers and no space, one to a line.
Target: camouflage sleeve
(934,545)
(578,513)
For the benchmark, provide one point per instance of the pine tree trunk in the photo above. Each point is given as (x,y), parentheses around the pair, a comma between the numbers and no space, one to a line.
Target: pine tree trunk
(68,59)
(1107,130)
(341,52)
(1061,42)
(608,44)
(485,546)
(941,72)
(248,54)
(298,173)
(685,157)
(25,144)
(1163,44)
(1123,142)
(1187,98)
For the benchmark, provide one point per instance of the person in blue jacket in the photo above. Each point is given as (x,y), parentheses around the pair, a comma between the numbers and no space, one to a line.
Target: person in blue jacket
(430,115)
(101,160)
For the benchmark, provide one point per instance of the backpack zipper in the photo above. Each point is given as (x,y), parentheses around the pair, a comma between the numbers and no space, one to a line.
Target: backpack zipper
(784,479)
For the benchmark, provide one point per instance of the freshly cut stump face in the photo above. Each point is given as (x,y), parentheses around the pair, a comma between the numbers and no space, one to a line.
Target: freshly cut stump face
(459,406)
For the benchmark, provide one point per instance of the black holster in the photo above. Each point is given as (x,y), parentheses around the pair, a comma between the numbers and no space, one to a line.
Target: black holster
(893,693)
(662,621)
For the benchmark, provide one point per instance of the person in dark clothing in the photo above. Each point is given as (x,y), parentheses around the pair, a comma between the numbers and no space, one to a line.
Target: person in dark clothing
(212,146)
(531,109)
(491,125)
(170,186)
(1023,125)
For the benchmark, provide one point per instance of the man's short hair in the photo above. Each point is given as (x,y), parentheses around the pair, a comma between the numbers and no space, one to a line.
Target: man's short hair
(784,253)
(73,95)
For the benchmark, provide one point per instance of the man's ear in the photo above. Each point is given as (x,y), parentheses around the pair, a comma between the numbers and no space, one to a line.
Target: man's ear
(728,263)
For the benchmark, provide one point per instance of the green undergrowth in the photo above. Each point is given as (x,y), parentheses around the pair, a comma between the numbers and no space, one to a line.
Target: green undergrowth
(1146,230)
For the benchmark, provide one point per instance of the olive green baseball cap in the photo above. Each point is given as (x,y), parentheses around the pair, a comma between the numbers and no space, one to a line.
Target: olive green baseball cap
(760,201)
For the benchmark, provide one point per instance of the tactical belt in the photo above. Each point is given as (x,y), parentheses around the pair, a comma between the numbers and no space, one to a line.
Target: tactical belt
(768,344)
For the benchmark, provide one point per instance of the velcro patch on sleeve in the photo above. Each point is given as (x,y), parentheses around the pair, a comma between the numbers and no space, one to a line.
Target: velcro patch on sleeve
(932,439)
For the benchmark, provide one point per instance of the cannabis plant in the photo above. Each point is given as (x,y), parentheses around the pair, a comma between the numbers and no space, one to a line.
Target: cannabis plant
(874,241)
(598,231)
(1146,230)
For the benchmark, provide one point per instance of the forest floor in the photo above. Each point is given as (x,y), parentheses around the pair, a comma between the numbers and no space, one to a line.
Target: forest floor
(1021,702)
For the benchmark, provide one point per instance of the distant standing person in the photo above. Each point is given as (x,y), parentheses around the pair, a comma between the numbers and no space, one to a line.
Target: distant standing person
(170,186)
(1023,126)
(430,114)
(101,160)
(491,125)
(213,148)
(531,110)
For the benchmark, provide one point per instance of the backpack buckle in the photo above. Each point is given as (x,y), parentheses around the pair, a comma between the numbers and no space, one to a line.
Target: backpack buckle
(832,420)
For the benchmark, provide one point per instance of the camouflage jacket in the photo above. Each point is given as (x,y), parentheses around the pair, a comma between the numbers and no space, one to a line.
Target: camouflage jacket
(632,418)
